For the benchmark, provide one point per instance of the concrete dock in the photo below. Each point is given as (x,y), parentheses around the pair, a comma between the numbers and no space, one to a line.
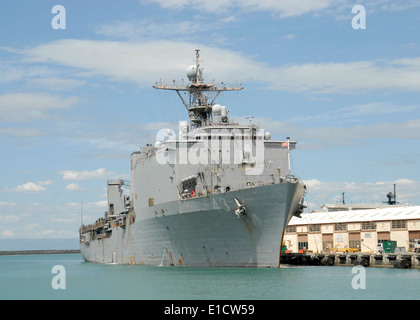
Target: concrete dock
(408,260)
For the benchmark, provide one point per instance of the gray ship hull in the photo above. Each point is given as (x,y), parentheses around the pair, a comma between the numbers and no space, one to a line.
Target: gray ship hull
(204,231)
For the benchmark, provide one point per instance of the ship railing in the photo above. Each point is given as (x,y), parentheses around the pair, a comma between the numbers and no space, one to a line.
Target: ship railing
(218,189)
(109,221)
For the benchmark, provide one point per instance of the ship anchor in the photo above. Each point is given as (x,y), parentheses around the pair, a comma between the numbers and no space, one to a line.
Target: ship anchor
(240,210)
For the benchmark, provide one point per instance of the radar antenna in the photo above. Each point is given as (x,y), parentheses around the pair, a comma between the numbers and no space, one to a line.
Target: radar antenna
(392,197)
(201,95)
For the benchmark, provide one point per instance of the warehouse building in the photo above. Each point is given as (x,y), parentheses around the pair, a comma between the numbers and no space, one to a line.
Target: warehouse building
(360,228)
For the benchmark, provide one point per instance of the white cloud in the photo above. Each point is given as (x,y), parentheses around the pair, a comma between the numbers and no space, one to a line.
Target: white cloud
(141,63)
(408,182)
(8,234)
(284,8)
(10,73)
(22,106)
(45,182)
(45,233)
(7,204)
(144,63)
(48,78)
(288,36)
(98,204)
(332,135)
(84,175)
(73,187)
(55,83)
(49,220)
(31,187)
(9,218)
(22,132)
(148,29)
(112,145)
(327,192)
(73,204)
(350,77)
(393,5)
(287,8)
(357,112)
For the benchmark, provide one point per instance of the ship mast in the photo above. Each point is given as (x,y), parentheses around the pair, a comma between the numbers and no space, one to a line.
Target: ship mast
(201,95)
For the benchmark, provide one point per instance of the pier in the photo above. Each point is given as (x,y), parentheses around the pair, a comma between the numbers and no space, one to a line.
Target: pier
(407,260)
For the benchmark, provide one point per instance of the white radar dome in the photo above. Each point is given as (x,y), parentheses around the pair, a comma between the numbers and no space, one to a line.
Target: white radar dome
(192,72)
(224,111)
(158,145)
(217,109)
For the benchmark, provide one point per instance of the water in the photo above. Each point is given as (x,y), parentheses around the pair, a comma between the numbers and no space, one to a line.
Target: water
(30,277)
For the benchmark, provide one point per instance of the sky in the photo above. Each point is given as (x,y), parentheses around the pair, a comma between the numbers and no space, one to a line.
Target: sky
(76,96)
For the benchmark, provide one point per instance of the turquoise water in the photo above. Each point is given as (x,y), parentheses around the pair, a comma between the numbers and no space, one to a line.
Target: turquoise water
(31,277)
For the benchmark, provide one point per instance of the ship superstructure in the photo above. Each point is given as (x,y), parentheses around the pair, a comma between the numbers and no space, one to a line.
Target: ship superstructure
(216,194)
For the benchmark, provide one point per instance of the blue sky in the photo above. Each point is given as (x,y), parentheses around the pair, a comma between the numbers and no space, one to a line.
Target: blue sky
(76,102)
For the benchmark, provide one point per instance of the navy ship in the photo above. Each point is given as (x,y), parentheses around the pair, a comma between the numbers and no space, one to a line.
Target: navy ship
(218,193)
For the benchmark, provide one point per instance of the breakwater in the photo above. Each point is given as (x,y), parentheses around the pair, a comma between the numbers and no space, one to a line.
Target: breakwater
(25,252)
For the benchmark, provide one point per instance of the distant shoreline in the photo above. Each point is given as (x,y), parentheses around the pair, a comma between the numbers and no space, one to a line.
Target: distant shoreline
(24,252)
